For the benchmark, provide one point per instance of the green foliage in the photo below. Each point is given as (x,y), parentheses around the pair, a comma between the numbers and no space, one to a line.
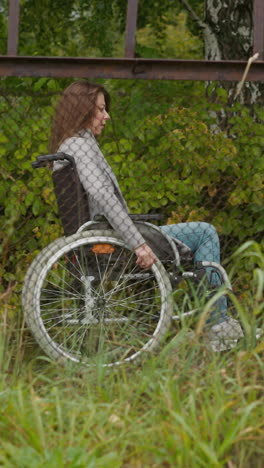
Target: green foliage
(191,173)
(249,139)
(249,258)
(177,41)
(245,195)
(96,28)
(66,27)
(135,100)
(183,169)
(28,208)
(3,27)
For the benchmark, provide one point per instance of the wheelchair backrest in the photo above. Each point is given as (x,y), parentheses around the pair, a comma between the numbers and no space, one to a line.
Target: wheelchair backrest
(71,198)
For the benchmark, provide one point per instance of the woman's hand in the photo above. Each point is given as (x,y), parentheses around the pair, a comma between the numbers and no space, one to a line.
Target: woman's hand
(145,256)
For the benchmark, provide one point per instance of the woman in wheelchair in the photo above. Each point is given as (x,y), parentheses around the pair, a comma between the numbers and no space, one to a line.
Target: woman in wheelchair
(80,117)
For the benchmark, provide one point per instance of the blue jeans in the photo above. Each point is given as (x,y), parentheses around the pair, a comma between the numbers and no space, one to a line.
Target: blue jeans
(203,240)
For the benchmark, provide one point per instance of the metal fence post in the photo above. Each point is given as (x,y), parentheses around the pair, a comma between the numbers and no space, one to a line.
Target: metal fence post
(258,28)
(13,21)
(131,25)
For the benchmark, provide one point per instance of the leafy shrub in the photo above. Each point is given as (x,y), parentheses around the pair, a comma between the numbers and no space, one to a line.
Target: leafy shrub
(28,207)
(171,163)
(190,173)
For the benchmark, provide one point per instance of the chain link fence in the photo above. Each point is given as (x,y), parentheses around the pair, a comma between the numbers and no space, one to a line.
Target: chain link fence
(105,283)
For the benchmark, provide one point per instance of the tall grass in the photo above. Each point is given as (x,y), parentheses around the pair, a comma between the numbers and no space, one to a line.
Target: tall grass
(183,407)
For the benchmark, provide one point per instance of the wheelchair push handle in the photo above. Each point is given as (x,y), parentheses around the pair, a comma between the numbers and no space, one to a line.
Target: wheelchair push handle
(44,159)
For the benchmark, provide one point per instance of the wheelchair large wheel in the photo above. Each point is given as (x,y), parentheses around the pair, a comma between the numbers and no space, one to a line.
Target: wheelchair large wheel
(85,300)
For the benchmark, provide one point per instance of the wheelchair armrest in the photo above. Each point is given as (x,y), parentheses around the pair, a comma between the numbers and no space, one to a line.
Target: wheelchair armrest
(147,217)
(135,217)
(99,218)
(44,159)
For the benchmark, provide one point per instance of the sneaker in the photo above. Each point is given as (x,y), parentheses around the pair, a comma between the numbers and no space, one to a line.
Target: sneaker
(225,335)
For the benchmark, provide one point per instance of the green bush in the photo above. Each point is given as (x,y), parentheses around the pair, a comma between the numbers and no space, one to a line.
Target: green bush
(177,165)
(171,163)
(28,207)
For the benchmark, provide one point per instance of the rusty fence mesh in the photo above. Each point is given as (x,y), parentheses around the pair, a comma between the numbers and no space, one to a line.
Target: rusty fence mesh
(87,290)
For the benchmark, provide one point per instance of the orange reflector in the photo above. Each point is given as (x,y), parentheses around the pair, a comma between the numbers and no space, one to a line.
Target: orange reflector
(103,249)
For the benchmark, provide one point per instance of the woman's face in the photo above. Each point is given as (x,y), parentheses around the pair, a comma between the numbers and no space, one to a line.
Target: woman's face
(101,116)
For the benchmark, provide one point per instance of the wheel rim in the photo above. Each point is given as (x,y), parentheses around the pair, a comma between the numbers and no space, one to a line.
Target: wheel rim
(99,307)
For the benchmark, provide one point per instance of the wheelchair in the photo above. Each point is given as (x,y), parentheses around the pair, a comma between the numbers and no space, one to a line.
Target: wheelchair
(84,298)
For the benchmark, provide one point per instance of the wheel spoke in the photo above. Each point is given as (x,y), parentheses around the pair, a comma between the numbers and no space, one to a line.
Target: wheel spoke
(88,305)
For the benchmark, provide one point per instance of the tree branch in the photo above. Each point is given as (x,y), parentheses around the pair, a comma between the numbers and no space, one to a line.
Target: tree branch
(193,15)
(210,39)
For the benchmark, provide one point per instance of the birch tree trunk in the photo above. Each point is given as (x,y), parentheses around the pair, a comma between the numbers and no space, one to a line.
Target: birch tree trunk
(227,28)
(230,25)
